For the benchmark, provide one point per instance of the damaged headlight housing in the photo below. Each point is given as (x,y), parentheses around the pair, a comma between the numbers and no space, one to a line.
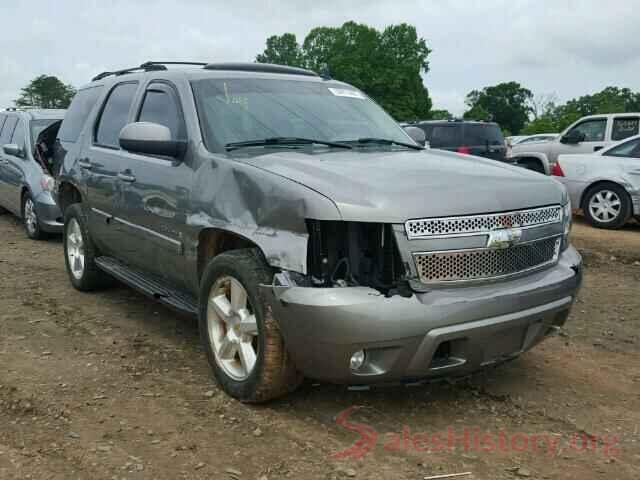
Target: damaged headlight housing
(48,183)
(566,224)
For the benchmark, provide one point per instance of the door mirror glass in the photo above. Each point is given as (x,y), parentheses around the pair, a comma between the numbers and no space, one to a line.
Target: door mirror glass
(573,137)
(149,138)
(13,149)
(416,134)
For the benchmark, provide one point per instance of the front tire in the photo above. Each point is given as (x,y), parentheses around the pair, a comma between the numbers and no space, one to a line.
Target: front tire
(80,253)
(607,206)
(30,219)
(242,339)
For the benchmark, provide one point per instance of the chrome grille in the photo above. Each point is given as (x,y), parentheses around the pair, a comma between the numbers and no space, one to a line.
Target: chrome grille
(477,264)
(482,223)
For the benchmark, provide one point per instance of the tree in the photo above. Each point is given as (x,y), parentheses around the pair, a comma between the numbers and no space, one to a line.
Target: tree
(440,115)
(505,103)
(282,50)
(387,65)
(46,92)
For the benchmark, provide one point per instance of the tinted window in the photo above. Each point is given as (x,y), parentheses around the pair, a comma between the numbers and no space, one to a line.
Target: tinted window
(161,107)
(446,136)
(624,128)
(593,130)
(481,134)
(7,130)
(18,135)
(115,114)
(77,114)
(627,149)
(427,129)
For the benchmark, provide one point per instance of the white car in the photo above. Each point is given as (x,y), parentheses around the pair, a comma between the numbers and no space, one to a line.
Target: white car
(587,135)
(606,184)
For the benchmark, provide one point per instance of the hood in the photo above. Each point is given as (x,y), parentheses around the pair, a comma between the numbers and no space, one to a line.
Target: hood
(370,185)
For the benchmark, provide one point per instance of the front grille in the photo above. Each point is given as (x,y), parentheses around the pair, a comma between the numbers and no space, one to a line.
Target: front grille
(483,223)
(477,264)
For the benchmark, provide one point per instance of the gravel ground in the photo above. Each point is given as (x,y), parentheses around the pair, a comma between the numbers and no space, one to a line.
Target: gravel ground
(113,386)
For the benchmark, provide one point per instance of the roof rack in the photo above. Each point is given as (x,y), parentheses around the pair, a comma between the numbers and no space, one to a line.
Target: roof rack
(145,67)
(261,67)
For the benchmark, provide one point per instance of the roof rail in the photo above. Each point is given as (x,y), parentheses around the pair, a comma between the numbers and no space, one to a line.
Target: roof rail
(261,67)
(145,67)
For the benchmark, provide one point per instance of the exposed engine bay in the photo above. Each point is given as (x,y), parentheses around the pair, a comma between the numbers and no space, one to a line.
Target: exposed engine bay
(343,254)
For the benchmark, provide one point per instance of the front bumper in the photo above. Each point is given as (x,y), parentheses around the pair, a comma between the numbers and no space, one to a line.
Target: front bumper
(49,214)
(443,332)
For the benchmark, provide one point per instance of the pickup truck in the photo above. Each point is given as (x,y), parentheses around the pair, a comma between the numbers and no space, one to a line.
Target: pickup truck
(587,135)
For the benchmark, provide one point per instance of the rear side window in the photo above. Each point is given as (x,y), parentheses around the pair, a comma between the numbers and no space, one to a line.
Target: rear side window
(77,114)
(624,127)
(160,106)
(446,136)
(115,114)
(18,135)
(7,130)
(481,134)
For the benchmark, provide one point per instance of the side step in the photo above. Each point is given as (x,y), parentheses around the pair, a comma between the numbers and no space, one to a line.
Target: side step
(149,285)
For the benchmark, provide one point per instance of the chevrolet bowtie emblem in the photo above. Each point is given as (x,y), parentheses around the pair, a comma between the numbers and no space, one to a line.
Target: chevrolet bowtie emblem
(504,238)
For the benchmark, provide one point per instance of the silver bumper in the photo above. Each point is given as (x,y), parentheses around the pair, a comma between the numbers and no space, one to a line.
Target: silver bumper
(445,331)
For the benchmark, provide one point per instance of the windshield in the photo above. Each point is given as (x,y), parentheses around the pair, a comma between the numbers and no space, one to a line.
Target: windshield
(246,109)
(37,126)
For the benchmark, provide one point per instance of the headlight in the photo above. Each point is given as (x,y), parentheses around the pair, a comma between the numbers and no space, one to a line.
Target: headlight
(566,223)
(48,183)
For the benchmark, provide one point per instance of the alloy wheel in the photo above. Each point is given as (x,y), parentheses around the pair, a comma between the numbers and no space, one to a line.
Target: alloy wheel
(75,249)
(605,206)
(30,217)
(232,328)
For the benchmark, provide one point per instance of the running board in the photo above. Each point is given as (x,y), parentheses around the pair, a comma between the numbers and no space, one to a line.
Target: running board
(148,285)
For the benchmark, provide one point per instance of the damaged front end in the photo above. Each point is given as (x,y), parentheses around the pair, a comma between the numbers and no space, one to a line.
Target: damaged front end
(350,254)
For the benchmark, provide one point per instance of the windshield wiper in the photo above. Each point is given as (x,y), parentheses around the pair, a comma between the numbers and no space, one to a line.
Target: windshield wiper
(283,141)
(384,141)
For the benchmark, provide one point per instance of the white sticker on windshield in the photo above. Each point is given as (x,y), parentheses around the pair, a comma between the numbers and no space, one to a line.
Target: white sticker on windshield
(345,92)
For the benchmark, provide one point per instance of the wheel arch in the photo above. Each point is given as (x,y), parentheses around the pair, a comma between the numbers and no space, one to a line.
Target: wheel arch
(68,194)
(213,241)
(598,183)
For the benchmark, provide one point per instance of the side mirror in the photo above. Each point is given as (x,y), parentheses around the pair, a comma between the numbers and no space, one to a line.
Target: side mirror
(151,139)
(416,134)
(13,149)
(573,137)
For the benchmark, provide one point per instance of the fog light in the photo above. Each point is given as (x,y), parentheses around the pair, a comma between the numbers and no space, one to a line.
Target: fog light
(357,360)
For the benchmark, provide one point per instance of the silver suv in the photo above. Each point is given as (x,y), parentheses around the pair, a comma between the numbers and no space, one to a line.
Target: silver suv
(307,231)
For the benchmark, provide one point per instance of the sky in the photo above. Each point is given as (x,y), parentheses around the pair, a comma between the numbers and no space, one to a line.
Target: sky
(563,47)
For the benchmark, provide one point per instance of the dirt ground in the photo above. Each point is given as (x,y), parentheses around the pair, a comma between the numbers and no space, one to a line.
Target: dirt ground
(113,386)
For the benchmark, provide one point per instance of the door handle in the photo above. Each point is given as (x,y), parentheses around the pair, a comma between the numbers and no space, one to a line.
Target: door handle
(84,163)
(127,176)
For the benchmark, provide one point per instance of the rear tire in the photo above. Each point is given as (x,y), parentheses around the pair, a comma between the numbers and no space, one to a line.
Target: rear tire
(80,253)
(240,335)
(607,205)
(30,219)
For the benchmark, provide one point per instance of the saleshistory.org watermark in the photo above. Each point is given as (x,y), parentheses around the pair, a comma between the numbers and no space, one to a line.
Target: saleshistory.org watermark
(469,439)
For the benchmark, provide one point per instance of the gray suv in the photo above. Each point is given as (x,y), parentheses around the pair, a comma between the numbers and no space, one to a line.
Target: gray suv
(307,231)
(27,140)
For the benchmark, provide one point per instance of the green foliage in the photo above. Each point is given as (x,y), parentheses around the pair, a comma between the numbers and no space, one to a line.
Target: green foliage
(609,100)
(440,115)
(46,92)
(387,65)
(282,50)
(505,103)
